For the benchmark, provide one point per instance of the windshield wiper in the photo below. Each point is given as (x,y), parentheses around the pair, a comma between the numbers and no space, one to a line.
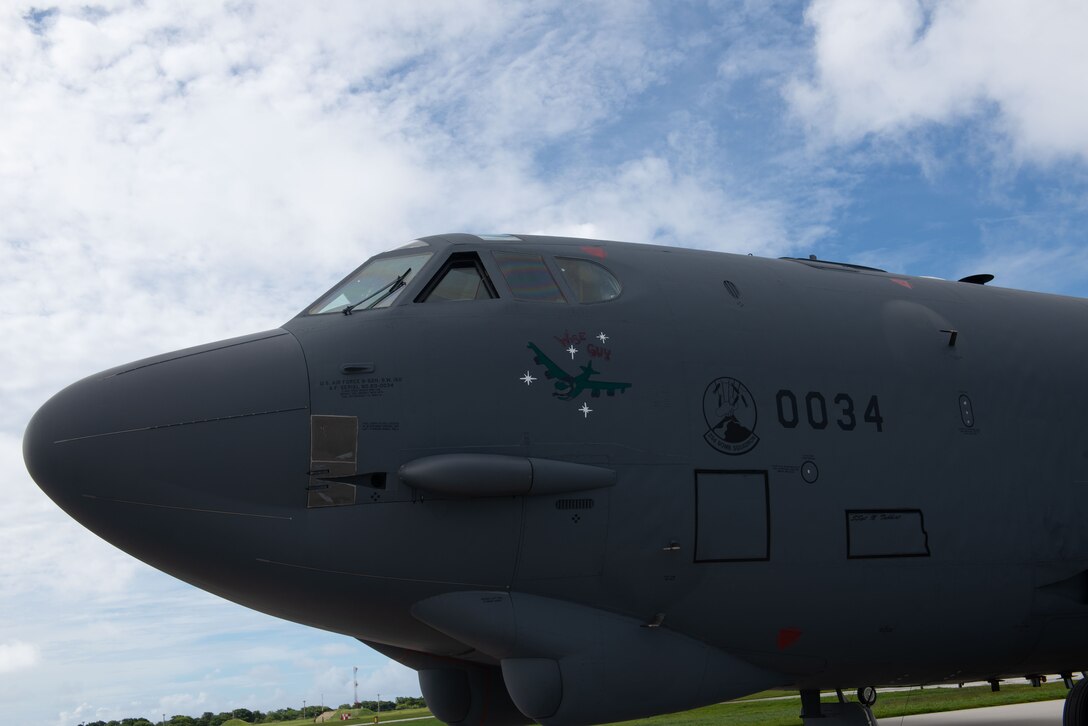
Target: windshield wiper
(388,288)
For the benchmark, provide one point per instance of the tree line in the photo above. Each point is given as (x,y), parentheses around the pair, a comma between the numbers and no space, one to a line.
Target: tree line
(256,717)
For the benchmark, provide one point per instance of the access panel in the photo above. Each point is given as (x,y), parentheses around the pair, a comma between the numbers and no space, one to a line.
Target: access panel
(733,516)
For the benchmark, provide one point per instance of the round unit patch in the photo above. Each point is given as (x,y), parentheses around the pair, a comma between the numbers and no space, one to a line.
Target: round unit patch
(730,413)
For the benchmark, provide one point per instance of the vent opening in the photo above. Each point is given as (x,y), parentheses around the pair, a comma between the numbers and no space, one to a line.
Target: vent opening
(574,504)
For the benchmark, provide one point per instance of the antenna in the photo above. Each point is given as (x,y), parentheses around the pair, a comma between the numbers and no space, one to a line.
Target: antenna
(355,679)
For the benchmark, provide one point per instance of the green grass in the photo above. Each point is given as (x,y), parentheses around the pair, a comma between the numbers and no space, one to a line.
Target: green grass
(769,694)
(404,713)
(889,704)
(957,699)
(368,718)
(751,710)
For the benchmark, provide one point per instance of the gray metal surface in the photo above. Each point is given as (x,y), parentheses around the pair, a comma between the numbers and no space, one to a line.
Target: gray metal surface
(734,474)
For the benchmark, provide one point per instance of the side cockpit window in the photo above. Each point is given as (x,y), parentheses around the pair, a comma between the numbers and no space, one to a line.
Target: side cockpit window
(528,277)
(376,284)
(463,277)
(589,281)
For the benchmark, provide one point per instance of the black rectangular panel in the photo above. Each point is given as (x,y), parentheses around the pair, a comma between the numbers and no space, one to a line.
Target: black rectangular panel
(885,533)
(733,517)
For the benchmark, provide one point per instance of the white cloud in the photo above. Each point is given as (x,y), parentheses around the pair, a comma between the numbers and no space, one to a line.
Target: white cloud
(891,67)
(335,682)
(390,679)
(87,712)
(648,199)
(182,703)
(338,649)
(46,553)
(17,656)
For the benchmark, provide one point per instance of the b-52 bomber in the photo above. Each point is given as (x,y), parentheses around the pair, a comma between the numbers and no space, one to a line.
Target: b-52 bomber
(818,476)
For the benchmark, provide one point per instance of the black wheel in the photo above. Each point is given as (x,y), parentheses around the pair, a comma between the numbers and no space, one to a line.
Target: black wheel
(1076,705)
(867,695)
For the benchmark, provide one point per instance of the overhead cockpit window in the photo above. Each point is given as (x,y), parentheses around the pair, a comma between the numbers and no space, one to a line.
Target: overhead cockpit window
(374,285)
(463,277)
(590,281)
(528,277)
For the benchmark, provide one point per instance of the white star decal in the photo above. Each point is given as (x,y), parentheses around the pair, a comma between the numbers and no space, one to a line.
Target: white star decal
(585,409)
(573,351)
(602,337)
(528,378)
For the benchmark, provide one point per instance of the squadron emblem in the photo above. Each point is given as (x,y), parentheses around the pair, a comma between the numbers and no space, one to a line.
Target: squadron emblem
(730,413)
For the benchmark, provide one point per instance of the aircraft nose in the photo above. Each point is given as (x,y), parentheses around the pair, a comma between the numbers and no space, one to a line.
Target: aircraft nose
(198,428)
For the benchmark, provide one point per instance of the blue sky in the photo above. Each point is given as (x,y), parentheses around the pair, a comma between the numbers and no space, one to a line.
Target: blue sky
(174,176)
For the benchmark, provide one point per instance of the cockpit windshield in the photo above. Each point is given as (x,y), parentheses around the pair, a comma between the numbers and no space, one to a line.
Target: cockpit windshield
(376,284)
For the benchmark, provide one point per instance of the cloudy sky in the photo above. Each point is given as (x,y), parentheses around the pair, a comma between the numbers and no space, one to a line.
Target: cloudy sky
(174,176)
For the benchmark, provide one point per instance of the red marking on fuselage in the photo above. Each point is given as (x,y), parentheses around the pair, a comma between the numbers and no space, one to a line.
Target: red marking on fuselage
(568,338)
(787,637)
(599,351)
(597,252)
(903,283)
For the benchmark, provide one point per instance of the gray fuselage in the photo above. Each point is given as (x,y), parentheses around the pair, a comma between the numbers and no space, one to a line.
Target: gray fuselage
(834,475)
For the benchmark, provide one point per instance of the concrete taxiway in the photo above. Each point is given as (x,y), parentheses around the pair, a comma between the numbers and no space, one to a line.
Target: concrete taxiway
(1043,713)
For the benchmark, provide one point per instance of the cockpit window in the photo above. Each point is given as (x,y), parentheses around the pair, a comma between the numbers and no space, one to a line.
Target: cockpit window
(374,285)
(461,278)
(590,281)
(528,277)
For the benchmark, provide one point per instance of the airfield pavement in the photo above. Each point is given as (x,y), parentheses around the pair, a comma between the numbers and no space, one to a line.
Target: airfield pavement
(1041,713)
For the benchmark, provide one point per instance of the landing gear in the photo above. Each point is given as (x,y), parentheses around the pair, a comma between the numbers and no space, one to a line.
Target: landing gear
(1076,705)
(814,713)
(867,695)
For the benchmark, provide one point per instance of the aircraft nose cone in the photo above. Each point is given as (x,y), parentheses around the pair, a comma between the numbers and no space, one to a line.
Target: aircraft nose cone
(46,469)
(190,429)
